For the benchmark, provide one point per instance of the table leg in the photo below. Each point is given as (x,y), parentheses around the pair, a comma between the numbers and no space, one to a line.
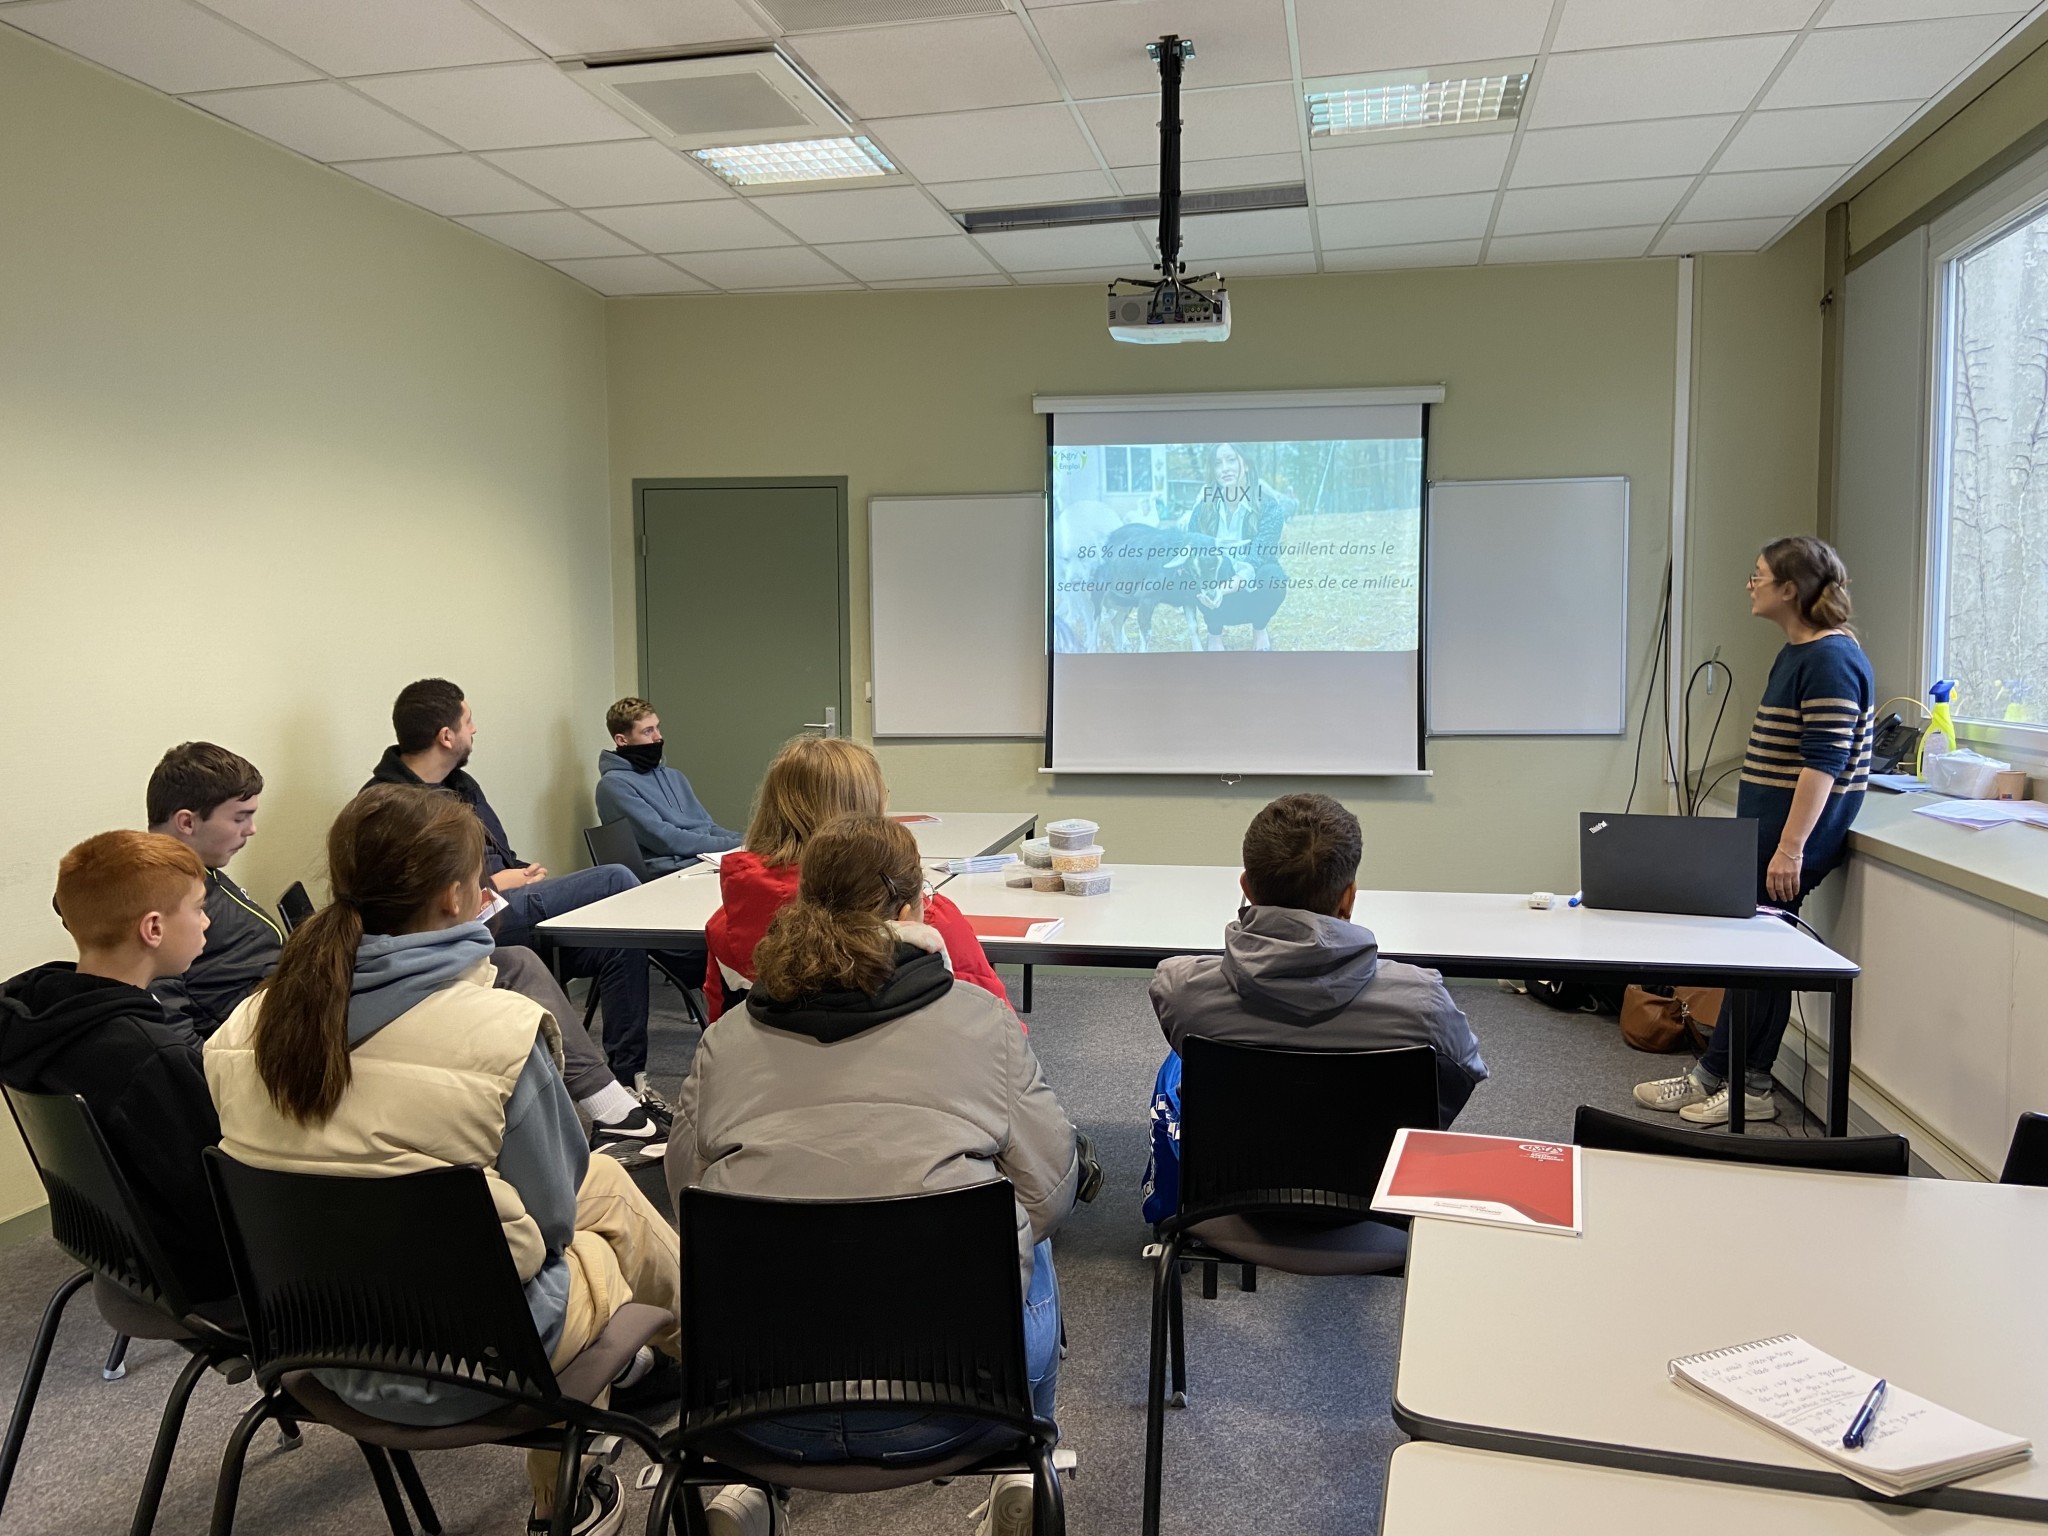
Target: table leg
(1027,989)
(1738,1063)
(1838,1060)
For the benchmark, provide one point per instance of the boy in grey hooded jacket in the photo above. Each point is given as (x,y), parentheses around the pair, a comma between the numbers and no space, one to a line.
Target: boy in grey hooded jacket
(1298,974)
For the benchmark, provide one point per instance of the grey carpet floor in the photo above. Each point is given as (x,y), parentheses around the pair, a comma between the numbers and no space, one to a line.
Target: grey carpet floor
(1287,1427)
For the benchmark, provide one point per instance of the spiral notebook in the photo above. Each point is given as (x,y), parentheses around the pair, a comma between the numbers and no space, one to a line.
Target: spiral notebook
(1786,1384)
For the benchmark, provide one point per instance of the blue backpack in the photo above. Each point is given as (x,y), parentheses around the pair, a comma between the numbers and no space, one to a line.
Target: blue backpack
(1162,1173)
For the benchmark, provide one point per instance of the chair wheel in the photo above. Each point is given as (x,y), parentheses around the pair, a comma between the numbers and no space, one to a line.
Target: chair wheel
(1177,1400)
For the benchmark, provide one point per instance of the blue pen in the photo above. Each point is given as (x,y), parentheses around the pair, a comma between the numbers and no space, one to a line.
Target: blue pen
(1859,1427)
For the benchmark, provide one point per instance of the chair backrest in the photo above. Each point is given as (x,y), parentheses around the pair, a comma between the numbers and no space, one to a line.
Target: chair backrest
(793,1306)
(294,906)
(409,1275)
(2026,1160)
(1263,1129)
(1837,1154)
(94,1215)
(614,843)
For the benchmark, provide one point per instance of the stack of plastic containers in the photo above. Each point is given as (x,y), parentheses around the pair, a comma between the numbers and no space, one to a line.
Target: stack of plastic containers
(1075,857)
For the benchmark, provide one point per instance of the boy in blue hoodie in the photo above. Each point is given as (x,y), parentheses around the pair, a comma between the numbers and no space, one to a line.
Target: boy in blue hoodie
(669,821)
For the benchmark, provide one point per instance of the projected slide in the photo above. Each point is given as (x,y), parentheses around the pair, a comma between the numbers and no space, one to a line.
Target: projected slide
(1310,545)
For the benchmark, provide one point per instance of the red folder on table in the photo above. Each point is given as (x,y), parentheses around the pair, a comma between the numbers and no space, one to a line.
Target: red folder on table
(1505,1181)
(991,927)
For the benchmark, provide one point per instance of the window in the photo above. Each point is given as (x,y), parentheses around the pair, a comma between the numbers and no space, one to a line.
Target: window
(1990,589)
(1127,469)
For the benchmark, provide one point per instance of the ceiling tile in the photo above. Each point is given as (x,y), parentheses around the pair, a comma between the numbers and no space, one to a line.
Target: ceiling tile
(1620,23)
(1670,80)
(1215,237)
(165,43)
(1914,58)
(610,175)
(548,235)
(792,267)
(1406,221)
(621,275)
(323,120)
(1437,253)
(1758,194)
(1602,205)
(877,213)
(941,66)
(993,280)
(1295,264)
(668,227)
(1093,277)
(976,146)
(1216,125)
(1086,246)
(1341,37)
(888,260)
(1100,49)
(1861,13)
(375,37)
(1208,175)
(1410,167)
(1024,191)
(1678,146)
(578,28)
(1578,245)
(501,106)
(1729,235)
(1814,135)
(448,184)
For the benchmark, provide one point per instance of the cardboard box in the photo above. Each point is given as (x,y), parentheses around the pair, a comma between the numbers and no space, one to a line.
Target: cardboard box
(2010,785)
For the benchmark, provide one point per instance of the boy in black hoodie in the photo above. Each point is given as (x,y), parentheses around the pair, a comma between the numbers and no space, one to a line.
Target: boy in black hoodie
(135,904)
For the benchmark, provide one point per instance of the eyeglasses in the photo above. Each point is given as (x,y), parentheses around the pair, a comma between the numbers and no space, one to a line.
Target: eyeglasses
(1756,581)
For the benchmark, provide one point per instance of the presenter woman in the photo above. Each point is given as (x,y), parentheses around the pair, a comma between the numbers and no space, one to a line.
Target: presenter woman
(1245,515)
(1802,779)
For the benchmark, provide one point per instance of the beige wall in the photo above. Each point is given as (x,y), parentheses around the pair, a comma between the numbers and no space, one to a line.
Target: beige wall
(271,445)
(1549,370)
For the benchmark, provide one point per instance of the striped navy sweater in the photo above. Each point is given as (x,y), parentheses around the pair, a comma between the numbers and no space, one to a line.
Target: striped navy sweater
(1816,713)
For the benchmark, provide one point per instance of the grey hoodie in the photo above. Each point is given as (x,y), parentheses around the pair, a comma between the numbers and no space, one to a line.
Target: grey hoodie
(1306,982)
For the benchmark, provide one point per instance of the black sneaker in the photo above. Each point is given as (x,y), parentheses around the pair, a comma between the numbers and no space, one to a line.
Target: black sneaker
(654,1393)
(653,1103)
(640,1138)
(600,1508)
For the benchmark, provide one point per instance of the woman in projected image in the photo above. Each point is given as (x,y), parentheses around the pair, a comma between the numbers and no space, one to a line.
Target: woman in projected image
(1245,515)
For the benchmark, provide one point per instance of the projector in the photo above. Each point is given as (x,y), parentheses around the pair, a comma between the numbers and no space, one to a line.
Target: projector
(1172,310)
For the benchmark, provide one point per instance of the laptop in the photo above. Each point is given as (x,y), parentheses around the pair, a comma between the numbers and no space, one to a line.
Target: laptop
(1698,866)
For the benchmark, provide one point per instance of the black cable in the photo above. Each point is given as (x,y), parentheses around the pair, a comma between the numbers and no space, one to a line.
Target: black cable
(1649,693)
(1709,790)
(1689,799)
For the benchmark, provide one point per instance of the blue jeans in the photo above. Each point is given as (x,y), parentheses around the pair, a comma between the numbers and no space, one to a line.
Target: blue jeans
(621,973)
(912,1435)
(1764,1013)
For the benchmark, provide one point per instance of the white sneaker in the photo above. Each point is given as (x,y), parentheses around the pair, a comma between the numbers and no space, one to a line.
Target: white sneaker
(1670,1094)
(741,1509)
(1713,1110)
(1007,1510)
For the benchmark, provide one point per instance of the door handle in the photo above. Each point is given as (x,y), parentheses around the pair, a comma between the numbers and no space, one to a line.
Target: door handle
(828,726)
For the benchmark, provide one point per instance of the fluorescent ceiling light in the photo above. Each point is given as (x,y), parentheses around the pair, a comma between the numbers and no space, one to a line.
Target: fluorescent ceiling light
(1415,101)
(761,165)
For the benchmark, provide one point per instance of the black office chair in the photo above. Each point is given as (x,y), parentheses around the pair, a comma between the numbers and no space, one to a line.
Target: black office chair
(1280,1152)
(95,1218)
(294,906)
(408,1276)
(1837,1154)
(614,843)
(2026,1160)
(924,1307)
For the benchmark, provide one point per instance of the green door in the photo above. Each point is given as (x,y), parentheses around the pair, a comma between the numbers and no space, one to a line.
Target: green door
(743,625)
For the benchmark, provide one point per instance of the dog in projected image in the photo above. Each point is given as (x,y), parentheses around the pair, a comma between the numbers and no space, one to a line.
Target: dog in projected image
(1144,568)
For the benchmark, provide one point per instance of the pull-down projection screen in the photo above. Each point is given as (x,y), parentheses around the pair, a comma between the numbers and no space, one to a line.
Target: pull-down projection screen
(1236,582)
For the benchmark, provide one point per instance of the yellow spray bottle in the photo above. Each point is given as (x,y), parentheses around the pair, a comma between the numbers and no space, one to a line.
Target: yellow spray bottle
(1939,739)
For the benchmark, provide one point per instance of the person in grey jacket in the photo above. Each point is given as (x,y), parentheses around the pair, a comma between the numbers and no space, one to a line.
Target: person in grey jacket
(859,1069)
(669,822)
(1297,973)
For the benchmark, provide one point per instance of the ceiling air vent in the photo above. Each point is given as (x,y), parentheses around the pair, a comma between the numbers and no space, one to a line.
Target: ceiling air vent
(715,99)
(823,15)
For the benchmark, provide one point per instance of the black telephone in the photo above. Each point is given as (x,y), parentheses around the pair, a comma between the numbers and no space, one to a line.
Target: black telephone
(1894,744)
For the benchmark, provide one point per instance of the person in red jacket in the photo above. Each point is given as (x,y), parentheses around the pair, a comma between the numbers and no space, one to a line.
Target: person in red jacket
(812,779)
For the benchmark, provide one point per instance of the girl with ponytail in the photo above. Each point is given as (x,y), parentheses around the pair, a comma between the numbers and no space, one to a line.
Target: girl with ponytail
(1803,779)
(859,1069)
(380,1047)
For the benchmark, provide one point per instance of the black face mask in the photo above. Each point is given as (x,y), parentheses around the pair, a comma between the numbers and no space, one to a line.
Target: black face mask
(644,756)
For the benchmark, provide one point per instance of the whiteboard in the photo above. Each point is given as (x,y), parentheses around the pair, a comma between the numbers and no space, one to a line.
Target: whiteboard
(1527,610)
(956,588)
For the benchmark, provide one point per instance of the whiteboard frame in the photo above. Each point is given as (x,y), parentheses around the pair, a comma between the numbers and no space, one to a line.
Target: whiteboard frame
(883,665)
(1432,614)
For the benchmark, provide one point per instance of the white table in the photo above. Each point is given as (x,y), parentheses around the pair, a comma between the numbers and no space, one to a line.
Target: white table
(1155,910)
(1557,1346)
(963,834)
(1442,1490)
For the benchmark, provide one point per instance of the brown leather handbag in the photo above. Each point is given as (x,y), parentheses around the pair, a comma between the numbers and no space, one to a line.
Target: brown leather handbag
(1669,1018)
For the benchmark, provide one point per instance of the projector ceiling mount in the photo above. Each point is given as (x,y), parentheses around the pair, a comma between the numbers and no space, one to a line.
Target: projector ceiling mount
(1173,307)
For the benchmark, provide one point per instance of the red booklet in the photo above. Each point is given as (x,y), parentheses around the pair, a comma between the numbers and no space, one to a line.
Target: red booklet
(990,927)
(1503,1181)
(918,817)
